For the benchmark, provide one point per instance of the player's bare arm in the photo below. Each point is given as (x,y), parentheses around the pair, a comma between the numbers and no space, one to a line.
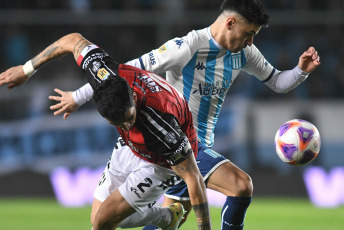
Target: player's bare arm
(71,43)
(189,171)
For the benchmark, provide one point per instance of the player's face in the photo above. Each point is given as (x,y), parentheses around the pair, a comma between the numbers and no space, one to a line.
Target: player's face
(128,121)
(241,35)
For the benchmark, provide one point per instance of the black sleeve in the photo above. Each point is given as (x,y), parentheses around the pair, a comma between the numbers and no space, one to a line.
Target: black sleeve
(98,66)
(181,148)
(163,135)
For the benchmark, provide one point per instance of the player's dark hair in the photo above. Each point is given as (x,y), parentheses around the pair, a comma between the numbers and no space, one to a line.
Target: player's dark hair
(252,10)
(113,97)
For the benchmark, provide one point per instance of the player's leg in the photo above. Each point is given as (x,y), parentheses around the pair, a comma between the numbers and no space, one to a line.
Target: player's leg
(111,212)
(177,193)
(158,216)
(237,186)
(95,207)
(137,184)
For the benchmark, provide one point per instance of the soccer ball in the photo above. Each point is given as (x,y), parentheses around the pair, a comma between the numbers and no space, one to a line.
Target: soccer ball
(297,142)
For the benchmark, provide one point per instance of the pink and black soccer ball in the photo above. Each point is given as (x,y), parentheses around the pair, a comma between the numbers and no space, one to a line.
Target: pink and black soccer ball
(297,142)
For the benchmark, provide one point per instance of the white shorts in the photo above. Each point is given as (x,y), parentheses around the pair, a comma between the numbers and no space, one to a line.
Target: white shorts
(140,182)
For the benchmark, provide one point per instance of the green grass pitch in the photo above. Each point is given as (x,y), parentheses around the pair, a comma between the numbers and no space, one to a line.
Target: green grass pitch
(263,214)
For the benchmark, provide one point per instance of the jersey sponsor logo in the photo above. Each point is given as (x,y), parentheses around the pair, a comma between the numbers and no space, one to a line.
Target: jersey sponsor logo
(211,89)
(103,73)
(163,48)
(152,58)
(132,146)
(199,66)
(182,151)
(150,83)
(179,43)
(236,60)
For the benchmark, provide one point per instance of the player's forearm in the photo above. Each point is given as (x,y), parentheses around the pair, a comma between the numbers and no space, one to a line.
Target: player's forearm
(71,43)
(189,171)
(200,204)
(287,80)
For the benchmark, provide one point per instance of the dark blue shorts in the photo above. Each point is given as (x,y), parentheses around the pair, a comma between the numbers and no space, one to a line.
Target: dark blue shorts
(207,161)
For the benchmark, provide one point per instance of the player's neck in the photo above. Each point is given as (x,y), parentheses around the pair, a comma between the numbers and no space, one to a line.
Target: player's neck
(218,32)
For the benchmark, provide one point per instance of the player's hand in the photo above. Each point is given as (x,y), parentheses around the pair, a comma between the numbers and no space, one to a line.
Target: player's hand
(66,103)
(14,77)
(309,60)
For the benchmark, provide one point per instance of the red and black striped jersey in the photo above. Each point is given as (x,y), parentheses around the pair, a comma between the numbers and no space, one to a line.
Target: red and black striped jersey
(163,128)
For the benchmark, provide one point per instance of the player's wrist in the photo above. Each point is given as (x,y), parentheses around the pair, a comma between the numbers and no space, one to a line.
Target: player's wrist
(28,68)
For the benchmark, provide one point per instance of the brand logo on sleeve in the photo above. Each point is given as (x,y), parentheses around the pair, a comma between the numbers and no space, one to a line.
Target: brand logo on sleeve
(179,43)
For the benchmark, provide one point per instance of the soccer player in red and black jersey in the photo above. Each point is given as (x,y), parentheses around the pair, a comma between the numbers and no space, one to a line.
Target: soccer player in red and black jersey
(156,125)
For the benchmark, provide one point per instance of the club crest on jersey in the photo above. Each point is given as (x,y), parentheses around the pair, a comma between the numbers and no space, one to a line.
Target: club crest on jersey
(103,74)
(170,138)
(163,48)
(236,61)
(96,66)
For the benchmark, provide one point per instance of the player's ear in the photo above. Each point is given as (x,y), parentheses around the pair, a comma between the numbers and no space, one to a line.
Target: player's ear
(134,98)
(230,22)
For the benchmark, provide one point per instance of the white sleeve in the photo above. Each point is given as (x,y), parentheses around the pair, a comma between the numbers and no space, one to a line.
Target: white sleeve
(170,56)
(83,94)
(284,81)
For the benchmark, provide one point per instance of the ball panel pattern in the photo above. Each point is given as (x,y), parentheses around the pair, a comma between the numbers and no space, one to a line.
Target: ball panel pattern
(297,142)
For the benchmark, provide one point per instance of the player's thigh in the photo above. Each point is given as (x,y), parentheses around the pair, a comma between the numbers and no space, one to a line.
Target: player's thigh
(230,180)
(114,209)
(95,207)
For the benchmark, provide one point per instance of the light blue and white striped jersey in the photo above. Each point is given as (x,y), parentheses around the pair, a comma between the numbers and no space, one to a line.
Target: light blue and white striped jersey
(203,71)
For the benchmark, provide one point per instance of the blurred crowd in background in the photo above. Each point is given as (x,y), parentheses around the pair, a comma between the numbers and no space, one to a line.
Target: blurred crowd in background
(78,5)
(295,25)
(281,44)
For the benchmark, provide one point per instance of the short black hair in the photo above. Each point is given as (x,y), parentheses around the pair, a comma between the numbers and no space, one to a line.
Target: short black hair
(113,97)
(252,10)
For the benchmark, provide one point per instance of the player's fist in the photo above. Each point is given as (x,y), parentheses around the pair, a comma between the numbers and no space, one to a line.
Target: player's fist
(309,60)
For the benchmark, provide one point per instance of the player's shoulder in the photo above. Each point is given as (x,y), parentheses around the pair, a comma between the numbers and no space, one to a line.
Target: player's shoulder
(195,37)
(251,52)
